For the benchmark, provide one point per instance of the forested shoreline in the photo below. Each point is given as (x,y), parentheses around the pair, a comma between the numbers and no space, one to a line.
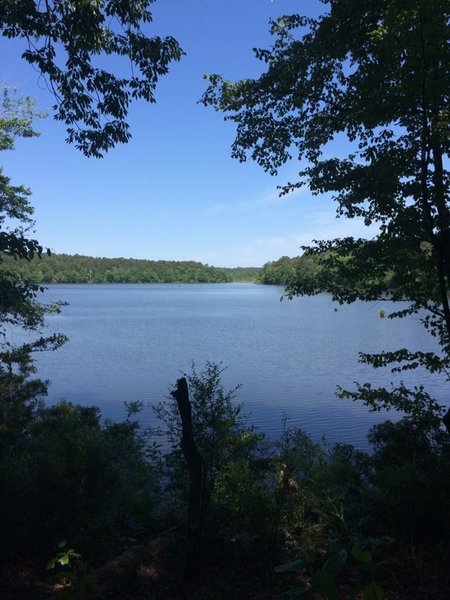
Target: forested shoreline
(52,268)
(66,268)
(311,271)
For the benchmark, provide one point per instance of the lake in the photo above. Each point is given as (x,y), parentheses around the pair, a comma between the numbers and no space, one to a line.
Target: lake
(131,342)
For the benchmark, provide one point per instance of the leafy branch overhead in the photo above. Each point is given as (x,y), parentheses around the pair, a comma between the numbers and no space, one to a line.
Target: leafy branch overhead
(375,75)
(18,304)
(71,44)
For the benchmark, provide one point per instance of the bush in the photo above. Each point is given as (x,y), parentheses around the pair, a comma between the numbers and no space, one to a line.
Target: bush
(410,486)
(231,451)
(70,478)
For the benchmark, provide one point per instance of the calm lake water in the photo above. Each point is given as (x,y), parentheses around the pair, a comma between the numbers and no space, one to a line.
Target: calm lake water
(130,342)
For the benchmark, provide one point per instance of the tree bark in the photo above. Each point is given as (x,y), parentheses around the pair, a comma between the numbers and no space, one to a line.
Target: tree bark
(446,420)
(195,466)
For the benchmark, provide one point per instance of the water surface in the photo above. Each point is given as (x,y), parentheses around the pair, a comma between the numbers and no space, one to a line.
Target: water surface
(130,342)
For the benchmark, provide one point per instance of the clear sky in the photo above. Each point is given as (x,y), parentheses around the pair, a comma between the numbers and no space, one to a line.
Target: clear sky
(173,192)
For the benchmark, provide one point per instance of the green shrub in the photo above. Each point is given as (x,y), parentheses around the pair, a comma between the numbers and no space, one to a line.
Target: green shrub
(410,486)
(235,466)
(70,478)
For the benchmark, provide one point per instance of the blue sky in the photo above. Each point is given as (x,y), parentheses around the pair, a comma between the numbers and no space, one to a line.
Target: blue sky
(173,192)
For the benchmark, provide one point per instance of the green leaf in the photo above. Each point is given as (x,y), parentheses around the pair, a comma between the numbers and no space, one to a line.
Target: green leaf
(291,567)
(370,569)
(325,583)
(373,591)
(335,563)
(361,555)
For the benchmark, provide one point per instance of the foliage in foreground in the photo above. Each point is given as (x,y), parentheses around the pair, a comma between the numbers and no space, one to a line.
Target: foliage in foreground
(63,41)
(19,308)
(75,487)
(67,477)
(229,448)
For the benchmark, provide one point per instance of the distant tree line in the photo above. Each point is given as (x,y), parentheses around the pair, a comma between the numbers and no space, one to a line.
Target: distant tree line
(283,270)
(65,268)
(310,269)
(244,274)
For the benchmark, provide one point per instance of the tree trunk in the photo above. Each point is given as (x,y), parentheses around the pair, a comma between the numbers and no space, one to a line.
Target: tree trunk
(446,420)
(195,466)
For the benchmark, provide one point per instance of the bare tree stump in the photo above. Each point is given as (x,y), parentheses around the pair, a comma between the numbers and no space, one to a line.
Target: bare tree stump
(446,420)
(196,507)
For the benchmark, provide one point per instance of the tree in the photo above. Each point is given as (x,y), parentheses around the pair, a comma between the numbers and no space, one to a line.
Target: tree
(376,74)
(70,41)
(18,305)
(64,475)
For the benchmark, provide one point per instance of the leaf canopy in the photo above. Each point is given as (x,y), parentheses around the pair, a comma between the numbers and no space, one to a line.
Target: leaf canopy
(376,76)
(71,43)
